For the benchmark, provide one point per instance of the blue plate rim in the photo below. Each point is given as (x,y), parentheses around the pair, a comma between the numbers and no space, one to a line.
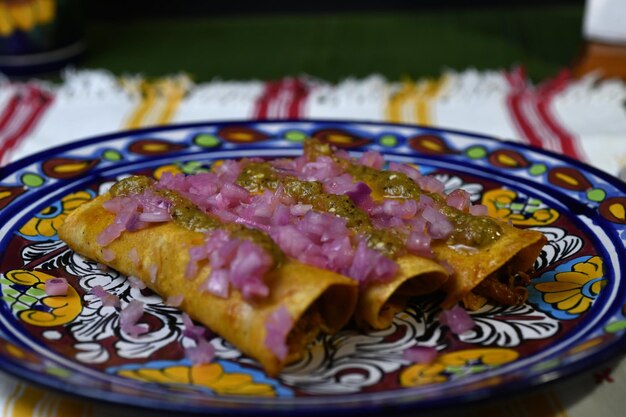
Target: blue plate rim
(613,350)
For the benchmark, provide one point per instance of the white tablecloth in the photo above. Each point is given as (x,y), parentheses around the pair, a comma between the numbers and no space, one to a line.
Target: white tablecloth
(584,119)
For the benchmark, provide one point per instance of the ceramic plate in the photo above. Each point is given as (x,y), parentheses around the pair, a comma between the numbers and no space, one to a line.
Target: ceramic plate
(574,318)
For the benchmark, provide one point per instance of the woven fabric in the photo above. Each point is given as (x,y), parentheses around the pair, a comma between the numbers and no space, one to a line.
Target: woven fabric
(584,119)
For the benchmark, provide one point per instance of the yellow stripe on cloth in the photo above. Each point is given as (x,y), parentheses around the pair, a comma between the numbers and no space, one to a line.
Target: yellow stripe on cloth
(171,91)
(398,101)
(413,102)
(29,401)
(9,404)
(147,92)
(25,401)
(159,100)
(428,92)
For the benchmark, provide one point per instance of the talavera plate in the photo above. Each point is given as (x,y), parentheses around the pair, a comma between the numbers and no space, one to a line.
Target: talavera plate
(574,318)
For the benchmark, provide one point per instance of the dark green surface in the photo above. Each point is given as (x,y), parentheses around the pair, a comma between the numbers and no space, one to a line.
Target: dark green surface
(335,46)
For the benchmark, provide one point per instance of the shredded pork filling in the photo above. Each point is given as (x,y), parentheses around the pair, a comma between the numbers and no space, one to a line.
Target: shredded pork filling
(505,287)
(304,332)
(395,304)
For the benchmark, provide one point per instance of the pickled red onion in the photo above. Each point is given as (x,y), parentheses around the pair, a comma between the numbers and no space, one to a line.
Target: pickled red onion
(456,319)
(56,286)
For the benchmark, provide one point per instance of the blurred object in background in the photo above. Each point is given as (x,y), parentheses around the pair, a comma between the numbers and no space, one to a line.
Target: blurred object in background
(604,30)
(39,36)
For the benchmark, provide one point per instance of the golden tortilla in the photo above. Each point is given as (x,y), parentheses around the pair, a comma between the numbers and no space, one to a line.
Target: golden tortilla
(317,300)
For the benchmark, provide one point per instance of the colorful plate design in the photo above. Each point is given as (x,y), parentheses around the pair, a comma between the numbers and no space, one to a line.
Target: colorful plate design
(575,317)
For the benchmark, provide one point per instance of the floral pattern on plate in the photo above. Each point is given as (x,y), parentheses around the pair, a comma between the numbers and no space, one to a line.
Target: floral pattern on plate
(577,294)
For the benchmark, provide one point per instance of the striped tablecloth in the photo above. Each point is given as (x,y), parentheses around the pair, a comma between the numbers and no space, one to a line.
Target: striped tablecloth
(584,119)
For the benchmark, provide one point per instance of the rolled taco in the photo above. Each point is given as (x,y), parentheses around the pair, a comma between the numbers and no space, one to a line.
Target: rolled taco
(327,237)
(487,259)
(316,300)
(379,302)
(497,272)
(383,293)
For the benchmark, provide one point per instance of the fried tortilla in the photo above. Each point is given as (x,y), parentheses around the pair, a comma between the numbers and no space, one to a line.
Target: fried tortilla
(488,259)
(379,302)
(473,259)
(491,272)
(317,300)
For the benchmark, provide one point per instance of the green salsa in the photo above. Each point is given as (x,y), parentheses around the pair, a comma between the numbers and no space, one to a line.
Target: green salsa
(476,231)
(388,183)
(184,212)
(257,176)
(187,215)
(469,230)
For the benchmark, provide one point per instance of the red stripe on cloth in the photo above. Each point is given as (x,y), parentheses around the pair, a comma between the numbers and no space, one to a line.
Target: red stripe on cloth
(300,92)
(568,143)
(531,110)
(282,99)
(33,102)
(518,100)
(262,105)
(9,111)
(517,78)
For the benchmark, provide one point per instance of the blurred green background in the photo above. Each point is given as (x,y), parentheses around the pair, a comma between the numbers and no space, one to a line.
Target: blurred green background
(245,40)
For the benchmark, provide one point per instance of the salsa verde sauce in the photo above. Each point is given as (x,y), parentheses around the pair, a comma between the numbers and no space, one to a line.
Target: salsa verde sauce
(187,215)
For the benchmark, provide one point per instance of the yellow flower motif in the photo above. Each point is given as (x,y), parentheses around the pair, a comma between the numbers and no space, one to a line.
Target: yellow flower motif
(587,345)
(489,357)
(62,309)
(445,364)
(502,205)
(172,169)
(18,353)
(25,14)
(46,223)
(210,375)
(216,164)
(423,374)
(575,290)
